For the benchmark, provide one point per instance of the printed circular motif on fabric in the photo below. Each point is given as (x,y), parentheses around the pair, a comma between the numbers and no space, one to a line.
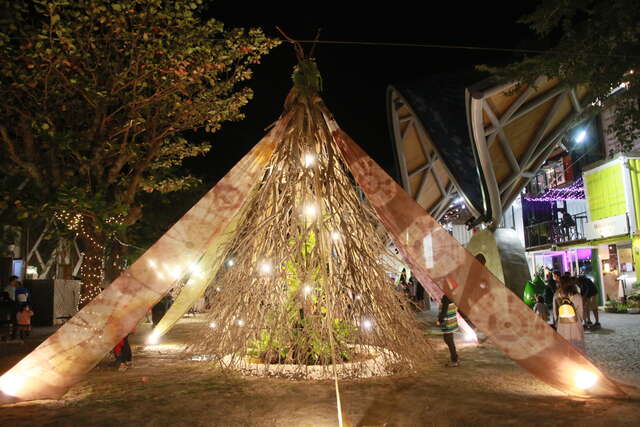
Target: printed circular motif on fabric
(511,325)
(379,188)
(445,252)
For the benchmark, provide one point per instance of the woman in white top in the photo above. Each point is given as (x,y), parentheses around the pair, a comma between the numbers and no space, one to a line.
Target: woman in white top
(567,312)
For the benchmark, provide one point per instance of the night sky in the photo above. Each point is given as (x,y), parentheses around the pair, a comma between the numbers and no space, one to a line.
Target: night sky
(356,77)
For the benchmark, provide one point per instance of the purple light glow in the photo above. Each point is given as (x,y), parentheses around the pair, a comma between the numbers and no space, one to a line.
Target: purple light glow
(584,254)
(574,191)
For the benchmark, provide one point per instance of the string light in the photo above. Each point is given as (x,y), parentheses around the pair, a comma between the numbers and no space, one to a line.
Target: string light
(265,267)
(309,160)
(230,263)
(310,210)
(574,191)
(367,324)
(307,290)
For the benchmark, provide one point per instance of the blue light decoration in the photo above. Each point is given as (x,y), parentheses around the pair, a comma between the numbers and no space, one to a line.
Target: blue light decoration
(573,191)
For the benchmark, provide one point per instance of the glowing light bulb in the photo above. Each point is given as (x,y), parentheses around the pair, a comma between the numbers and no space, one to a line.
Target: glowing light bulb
(581,136)
(265,267)
(213,324)
(217,289)
(241,322)
(585,379)
(11,383)
(310,210)
(153,338)
(367,324)
(307,290)
(335,235)
(230,263)
(358,297)
(309,160)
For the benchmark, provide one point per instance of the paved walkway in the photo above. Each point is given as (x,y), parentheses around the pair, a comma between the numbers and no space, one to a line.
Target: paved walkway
(616,347)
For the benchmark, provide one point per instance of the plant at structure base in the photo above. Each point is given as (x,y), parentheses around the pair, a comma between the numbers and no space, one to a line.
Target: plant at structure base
(97,97)
(594,43)
(304,299)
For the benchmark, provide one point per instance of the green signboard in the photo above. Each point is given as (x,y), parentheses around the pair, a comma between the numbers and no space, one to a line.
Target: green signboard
(606,192)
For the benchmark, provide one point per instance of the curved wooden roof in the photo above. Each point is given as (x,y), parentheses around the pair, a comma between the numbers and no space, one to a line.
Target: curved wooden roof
(482,142)
(514,130)
(432,145)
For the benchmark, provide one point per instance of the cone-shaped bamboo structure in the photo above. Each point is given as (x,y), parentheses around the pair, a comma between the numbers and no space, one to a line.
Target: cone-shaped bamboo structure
(304,279)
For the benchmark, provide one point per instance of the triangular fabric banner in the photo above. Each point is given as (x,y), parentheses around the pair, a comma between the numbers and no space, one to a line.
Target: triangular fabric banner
(66,356)
(437,259)
(197,285)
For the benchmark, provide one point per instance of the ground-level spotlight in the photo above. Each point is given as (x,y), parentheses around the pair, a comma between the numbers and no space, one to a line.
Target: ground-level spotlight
(307,290)
(240,322)
(335,236)
(367,324)
(585,380)
(153,338)
(11,384)
(230,262)
(213,325)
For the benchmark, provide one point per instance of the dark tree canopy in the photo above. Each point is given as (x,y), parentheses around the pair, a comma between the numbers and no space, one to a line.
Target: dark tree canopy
(97,95)
(595,43)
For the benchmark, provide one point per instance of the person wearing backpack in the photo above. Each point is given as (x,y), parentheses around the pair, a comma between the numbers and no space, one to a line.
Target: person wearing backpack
(568,312)
(589,294)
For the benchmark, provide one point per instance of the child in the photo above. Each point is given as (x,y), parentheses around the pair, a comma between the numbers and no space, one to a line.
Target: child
(540,308)
(24,320)
(122,352)
(448,321)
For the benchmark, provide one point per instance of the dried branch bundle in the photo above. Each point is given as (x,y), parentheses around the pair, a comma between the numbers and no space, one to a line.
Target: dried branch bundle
(303,280)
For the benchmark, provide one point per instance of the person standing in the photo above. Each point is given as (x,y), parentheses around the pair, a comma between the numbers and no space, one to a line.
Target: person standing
(448,322)
(10,288)
(540,308)
(568,312)
(589,294)
(24,321)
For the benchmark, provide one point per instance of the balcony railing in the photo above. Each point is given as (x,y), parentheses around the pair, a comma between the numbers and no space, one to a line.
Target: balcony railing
(555,232)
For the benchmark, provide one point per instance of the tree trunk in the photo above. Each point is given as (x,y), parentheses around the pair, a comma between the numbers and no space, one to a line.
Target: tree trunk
(115,260)
(92,269)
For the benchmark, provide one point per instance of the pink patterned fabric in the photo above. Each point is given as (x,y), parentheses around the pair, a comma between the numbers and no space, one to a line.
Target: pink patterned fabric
(66,356)
(441,264)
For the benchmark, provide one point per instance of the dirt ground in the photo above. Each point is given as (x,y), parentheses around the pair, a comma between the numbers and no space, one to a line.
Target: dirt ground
(163,389)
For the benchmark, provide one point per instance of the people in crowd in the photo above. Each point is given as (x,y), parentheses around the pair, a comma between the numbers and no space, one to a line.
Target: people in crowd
(567,222)
(448,322)
(10,288)
(589,293)
(6,316)
(158,311)
(551,288)
(23,295)
(568,312)
(123,354)
(23,321)
(540,308)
